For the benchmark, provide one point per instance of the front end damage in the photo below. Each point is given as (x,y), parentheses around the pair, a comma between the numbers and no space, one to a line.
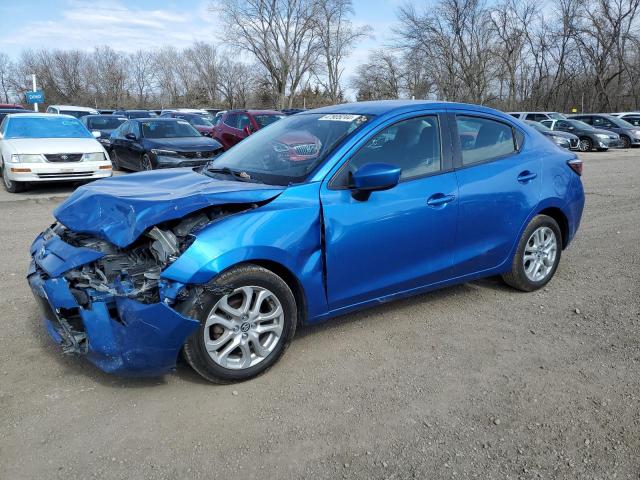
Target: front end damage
(110,303)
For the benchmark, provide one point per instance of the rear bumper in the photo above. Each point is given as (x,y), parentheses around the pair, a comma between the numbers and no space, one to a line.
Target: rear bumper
(121,336)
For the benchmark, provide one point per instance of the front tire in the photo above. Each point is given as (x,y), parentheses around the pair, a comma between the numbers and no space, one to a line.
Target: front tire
(626,141)
(585,145)
(114,161)
(12,186)
(248,316)
(537,256)
(145,163)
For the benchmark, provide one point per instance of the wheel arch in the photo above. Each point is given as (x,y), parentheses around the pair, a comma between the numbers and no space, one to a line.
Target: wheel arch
(561,219)
(290,279)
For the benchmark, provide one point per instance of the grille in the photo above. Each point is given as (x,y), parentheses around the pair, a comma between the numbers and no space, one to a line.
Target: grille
(64,157)
(308,149)
(204,154)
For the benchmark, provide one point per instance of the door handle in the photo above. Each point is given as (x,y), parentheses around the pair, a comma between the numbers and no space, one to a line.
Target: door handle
(440,200)
(526,176)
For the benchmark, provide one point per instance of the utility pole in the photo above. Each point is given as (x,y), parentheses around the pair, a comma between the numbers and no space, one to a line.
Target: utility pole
(33,79)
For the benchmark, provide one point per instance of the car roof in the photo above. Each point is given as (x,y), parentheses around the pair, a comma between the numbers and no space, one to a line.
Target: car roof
(380,107)
(46,115)
(155,119)
(73,107)
(253,112)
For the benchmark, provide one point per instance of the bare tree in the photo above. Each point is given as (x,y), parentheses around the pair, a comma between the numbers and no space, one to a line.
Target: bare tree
(337,37)
(380,78)
(141,68)
(278,33)
(6,68)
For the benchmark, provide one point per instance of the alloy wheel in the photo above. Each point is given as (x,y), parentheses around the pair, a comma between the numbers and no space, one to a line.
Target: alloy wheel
(244,327)
(146,163)
(585,145)
(540,254)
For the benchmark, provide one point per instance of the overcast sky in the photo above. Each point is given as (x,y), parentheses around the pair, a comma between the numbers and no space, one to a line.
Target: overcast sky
(128,26)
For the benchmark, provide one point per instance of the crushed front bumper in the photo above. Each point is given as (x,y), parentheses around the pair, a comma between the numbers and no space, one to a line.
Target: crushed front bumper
(121,336)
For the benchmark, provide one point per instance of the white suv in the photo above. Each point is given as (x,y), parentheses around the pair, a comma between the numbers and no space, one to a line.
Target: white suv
(537,116)
(41,147)
(72,110)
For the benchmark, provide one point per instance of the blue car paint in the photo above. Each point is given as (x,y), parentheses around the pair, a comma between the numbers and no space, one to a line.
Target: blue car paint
(343,254)
(145,339)
(57,257)
(121,209)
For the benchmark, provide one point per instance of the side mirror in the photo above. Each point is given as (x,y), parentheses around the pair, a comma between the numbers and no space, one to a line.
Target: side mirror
(130,136)
(96,133)
(247,130)
(374,177)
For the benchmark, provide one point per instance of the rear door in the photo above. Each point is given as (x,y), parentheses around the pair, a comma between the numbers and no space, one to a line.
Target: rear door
(499,187)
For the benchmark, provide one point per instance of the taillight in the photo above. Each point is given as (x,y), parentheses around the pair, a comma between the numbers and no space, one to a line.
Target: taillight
(575,165)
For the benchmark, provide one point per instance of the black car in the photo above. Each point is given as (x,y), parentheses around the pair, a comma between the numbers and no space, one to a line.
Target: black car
(6,111)
(146,144)
(562,139)
(135,113)
(629,134)
(103,124)
(590,137)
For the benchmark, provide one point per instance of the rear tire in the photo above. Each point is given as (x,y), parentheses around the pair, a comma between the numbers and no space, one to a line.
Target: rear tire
(260,336)
(537,256)
(12,186)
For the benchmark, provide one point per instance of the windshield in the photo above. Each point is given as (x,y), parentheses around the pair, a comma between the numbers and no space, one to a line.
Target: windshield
(76,113)
(107,122)
(538,126)
(139,114)
(197,120)
(21,126)
(264,120)
(579,124)
(168,129)
(618,122)
(290,149)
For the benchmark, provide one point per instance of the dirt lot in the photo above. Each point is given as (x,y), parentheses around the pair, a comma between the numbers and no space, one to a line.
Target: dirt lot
(475,381)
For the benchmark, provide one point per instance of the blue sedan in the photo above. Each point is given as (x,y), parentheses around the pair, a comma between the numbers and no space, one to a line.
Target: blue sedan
(323,213)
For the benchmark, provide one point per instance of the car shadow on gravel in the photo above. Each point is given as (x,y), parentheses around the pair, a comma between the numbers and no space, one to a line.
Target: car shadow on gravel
(76,365)
(384,310)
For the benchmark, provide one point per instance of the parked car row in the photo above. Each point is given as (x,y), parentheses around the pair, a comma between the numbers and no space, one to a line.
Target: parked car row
(586,132)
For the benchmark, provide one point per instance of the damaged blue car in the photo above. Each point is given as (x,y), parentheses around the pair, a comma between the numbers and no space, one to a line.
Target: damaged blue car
(323,213)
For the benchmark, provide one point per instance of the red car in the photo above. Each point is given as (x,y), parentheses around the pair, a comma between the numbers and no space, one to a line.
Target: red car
(236,125)
(11,105)
(199,122)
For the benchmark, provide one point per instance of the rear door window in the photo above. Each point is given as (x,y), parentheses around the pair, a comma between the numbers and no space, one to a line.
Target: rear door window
(483,139)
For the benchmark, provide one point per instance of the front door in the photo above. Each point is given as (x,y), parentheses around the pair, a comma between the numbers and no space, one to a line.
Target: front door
(398,239)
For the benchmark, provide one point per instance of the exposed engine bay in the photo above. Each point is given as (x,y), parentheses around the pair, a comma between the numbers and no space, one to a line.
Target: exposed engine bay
(134,271)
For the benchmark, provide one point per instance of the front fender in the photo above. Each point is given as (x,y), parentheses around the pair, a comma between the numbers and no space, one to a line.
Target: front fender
(286,231)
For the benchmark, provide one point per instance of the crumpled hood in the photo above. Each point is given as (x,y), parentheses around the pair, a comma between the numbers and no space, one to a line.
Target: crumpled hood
(120,209)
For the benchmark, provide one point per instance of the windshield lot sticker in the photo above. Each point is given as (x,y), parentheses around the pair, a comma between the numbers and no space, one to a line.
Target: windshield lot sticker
(340,117)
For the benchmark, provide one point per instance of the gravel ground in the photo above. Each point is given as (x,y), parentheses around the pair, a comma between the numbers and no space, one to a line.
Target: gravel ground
(474,381)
